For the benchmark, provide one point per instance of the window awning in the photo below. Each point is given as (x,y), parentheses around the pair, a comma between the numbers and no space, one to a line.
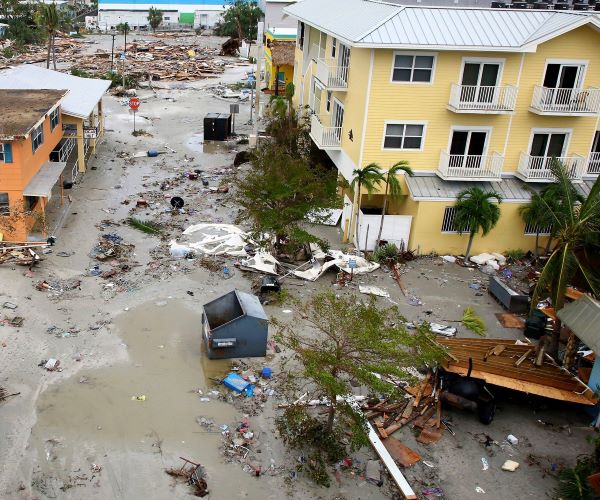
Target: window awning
(41,184)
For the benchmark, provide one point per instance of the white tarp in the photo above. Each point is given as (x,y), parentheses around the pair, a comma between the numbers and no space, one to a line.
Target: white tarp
(340,260)
(373,290)
(261,262)
(216,239)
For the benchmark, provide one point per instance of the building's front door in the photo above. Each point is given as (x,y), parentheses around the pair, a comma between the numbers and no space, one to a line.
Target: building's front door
(479,82)
(467,148)
(594,166)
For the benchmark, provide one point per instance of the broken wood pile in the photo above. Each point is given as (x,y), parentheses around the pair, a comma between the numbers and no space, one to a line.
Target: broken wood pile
(515,366)
(66,49)
(19,254)
(422,408)
(159,61)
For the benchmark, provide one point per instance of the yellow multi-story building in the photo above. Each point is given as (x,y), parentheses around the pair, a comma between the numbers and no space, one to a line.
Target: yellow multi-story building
(470,97)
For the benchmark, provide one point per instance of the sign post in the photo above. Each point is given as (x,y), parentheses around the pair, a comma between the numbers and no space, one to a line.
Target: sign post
(352,265)
(134,104)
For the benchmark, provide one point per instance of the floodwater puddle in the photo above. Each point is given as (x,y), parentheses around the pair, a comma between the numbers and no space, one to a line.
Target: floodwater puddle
(92,416)
(196,143)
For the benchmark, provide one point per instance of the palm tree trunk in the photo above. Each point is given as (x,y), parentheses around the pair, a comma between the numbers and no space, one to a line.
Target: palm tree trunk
(553,340)
(330,418)
(358,199)
(570,351)
(548,244)
(49,51)
(468,252)
(385,199)
(54,50)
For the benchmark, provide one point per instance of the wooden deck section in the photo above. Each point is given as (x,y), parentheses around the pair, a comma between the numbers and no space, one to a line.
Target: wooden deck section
(548,380)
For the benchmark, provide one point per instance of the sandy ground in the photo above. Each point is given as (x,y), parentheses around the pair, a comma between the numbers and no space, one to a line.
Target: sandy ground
(143,337)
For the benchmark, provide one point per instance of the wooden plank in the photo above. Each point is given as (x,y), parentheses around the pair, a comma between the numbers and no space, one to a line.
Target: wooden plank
(529,387)
(523,358)
(401,453)
(400,480)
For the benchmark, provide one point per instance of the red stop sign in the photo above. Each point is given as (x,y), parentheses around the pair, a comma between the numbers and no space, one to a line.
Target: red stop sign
(134,103)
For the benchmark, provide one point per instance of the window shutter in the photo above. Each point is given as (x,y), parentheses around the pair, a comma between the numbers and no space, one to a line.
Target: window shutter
(8,153)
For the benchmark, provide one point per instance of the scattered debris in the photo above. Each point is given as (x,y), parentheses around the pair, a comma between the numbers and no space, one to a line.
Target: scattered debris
(193,474)
(510,465)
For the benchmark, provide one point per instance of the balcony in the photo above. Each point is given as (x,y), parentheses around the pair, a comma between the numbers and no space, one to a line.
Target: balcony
(537,168)
(486,100)
(593,165)
(332,75)
(325,137)
(470,167)
(565,102)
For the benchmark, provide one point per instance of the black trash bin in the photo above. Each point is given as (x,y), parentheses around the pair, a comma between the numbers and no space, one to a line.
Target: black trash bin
(217,126)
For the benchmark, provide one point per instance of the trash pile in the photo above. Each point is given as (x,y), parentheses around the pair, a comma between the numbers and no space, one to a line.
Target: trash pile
(66,49)
(113,251)
(155,60)
(21,255)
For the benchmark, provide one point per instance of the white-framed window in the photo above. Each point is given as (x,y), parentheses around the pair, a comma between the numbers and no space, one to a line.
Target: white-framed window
(448,225)
(37,137)
(167,18)
(413,67)
(533,229)
(6,153)
(328,103)
(333,47)
(404,135)
(4,206)
(54,118)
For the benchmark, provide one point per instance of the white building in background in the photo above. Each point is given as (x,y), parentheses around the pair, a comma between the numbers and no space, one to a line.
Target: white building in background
(196,13)
(274,16)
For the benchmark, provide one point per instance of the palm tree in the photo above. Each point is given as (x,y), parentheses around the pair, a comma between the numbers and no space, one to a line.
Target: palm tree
(155,17)
(48,17)
(536,214)
(367,177)
(476,211)
(393,188)
(576,228)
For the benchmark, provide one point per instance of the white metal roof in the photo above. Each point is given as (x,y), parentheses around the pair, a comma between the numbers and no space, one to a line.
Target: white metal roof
(369,23)
(582,316)
(41,184)
(84,93)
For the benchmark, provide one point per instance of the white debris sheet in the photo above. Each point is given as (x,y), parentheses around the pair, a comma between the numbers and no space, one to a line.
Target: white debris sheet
(216,239)
(373,290)
(340,260)
(261,262)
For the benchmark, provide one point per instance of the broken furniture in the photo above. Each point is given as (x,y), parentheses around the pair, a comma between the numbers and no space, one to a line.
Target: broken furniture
(514,368)
(509,298)
(235,326)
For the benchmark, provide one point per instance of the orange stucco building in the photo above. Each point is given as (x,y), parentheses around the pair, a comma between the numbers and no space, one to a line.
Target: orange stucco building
(30,128)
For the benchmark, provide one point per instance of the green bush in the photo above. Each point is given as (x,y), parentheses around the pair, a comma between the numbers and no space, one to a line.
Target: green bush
(386,253)
(515,254)
(8,52)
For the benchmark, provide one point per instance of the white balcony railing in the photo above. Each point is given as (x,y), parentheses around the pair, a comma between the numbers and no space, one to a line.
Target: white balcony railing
(325,137)
(488,99)
(551,100)
(537,168)
(332,75)
(593,166)
(466,167)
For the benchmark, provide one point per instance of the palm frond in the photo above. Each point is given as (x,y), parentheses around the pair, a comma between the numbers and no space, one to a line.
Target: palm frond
(473,322)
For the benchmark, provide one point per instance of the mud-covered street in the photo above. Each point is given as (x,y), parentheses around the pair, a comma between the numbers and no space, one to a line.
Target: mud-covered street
(135,384)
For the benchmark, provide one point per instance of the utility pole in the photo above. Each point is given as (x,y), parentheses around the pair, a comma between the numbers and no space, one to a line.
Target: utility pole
(112,52)
(259,55)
